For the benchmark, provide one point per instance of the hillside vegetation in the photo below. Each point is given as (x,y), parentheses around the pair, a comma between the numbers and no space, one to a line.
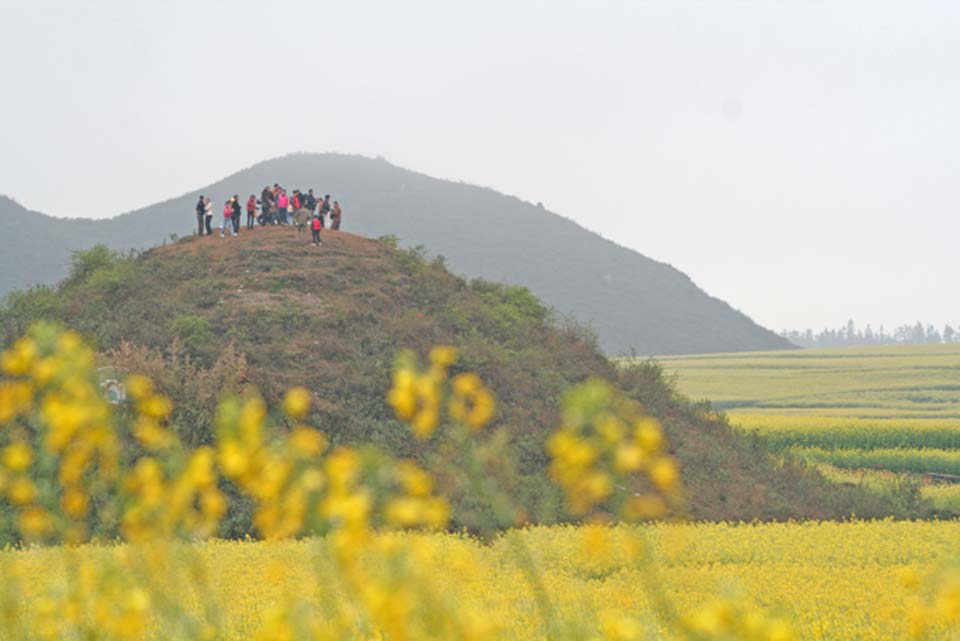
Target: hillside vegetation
(631,301)
(205,316)
(893,409)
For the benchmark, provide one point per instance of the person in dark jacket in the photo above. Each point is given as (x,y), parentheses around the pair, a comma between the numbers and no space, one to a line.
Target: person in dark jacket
(200,212)
(325,208)
(266,205)
(311,203)
(236,213)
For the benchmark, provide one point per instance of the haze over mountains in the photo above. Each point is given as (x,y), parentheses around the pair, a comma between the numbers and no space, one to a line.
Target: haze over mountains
(631,301)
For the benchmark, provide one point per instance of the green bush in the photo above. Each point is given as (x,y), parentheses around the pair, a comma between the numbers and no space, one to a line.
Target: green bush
(195,335)
(83,263)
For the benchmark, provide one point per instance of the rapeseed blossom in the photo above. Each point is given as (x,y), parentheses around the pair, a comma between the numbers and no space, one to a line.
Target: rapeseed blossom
(417,394)
(604,448)
(338,560)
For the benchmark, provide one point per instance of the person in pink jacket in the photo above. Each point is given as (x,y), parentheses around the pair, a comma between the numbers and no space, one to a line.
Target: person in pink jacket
(283,201)
(227,220)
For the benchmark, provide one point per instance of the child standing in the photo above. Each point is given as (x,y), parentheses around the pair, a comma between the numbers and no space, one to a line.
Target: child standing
(315,228)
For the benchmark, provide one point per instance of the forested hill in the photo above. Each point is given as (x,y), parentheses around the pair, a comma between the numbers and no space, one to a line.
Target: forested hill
(631,301)
(205,317)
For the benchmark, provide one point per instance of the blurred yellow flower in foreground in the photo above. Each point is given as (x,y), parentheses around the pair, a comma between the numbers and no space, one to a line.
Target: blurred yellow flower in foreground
(296,403)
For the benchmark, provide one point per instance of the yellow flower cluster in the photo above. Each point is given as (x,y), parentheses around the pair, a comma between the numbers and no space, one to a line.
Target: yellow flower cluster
(415,505)
(154,490)
(70,438)
(296,487)
(725,618)
(167,490)
(471,403)
(153,410)
(188,503)
(417,394)
(606,443)
(178,494)
(367,490)
(281,476)
(934,607)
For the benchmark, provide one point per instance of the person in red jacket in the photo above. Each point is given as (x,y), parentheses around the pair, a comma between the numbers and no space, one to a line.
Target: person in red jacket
(227,219)
(251,211)
(283,201)
(315,228)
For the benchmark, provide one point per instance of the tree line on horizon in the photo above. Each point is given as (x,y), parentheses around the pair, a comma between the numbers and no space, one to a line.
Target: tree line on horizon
(851,336)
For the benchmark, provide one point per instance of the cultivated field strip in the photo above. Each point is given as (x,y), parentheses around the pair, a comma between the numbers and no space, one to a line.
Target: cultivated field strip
(907,381)
(916,461)
(839,432)
(894,409)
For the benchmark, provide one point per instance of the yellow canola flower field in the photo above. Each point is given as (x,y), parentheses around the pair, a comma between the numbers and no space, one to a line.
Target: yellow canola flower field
(832,581)
(355,542)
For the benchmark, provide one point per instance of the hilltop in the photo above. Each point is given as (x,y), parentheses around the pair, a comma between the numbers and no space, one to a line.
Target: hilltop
(205,316)
(632,302)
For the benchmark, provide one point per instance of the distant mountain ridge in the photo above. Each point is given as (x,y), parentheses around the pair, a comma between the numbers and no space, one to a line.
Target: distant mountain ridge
(631,301)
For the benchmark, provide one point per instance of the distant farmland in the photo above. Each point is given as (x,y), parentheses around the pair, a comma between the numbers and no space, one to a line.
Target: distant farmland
(895,409)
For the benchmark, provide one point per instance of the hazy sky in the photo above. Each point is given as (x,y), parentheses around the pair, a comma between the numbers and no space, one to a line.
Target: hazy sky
(797,159)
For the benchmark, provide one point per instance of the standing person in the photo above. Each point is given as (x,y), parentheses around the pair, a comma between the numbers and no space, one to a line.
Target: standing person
(335,215)
(325,209)
(266,204)
(227,220)
(283,201)
(311,203)
(315,228)
(275,190)
(296,200)
(301,218)
(208,214)
(251,210)
(236,213)
(200,209)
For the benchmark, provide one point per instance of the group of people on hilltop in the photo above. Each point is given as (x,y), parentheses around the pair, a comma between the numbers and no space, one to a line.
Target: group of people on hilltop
(276,207)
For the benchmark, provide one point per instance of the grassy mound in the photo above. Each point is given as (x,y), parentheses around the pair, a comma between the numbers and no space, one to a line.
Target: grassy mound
(204,316)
